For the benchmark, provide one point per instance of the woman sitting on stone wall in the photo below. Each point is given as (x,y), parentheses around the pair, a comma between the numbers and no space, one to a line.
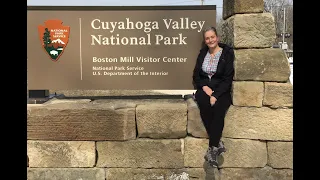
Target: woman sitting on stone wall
(212,78)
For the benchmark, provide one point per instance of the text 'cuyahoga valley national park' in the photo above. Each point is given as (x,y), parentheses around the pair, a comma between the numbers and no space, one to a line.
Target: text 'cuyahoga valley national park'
(145,26)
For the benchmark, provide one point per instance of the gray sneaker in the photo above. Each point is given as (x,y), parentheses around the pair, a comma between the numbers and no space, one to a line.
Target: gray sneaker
(221,148)
(211,156)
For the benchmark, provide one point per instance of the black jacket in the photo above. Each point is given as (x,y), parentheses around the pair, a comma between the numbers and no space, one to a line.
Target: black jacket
(221,81)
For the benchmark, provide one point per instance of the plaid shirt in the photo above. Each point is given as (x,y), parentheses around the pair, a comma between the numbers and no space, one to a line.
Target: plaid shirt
(210,63)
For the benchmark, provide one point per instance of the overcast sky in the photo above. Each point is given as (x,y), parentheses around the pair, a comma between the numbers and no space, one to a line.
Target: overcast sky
(218,3)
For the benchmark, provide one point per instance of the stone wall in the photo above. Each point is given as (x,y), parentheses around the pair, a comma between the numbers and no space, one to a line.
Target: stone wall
(152,139)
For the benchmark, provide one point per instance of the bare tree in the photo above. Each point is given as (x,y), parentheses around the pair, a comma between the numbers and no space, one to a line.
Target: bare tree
(277,8)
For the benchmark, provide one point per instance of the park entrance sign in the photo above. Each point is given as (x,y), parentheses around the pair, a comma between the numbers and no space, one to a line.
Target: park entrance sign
(105,48)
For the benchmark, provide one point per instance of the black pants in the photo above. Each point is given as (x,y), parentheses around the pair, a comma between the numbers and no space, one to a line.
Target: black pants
(213,116)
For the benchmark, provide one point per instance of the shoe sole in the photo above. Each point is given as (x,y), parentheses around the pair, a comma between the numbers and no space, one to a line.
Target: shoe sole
(214,166)
(221,153)
(206,161)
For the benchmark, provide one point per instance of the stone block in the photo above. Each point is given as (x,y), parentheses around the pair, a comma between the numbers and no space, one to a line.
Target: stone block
(278,94)
(259,123)
(247,93)
(268,64)
(231,7)
(162,120)
(240,153)
(154,174)
(66,174)
(195,124)
(265,173)
(141,153)
(249,31)
(244,153)
(280,154)
(194,150)
(61,153)
(81,121)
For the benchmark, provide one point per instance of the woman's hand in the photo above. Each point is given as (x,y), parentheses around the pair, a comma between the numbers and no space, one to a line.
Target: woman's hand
(207,90)
(212,100)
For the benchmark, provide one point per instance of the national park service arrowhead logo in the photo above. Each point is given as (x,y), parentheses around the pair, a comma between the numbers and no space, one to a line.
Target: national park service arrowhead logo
(54,38)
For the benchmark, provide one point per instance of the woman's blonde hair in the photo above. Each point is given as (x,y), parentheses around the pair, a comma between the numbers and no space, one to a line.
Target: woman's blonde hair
(210,28)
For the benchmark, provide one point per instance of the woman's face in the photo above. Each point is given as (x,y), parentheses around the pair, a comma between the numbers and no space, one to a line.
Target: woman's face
(211,39)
